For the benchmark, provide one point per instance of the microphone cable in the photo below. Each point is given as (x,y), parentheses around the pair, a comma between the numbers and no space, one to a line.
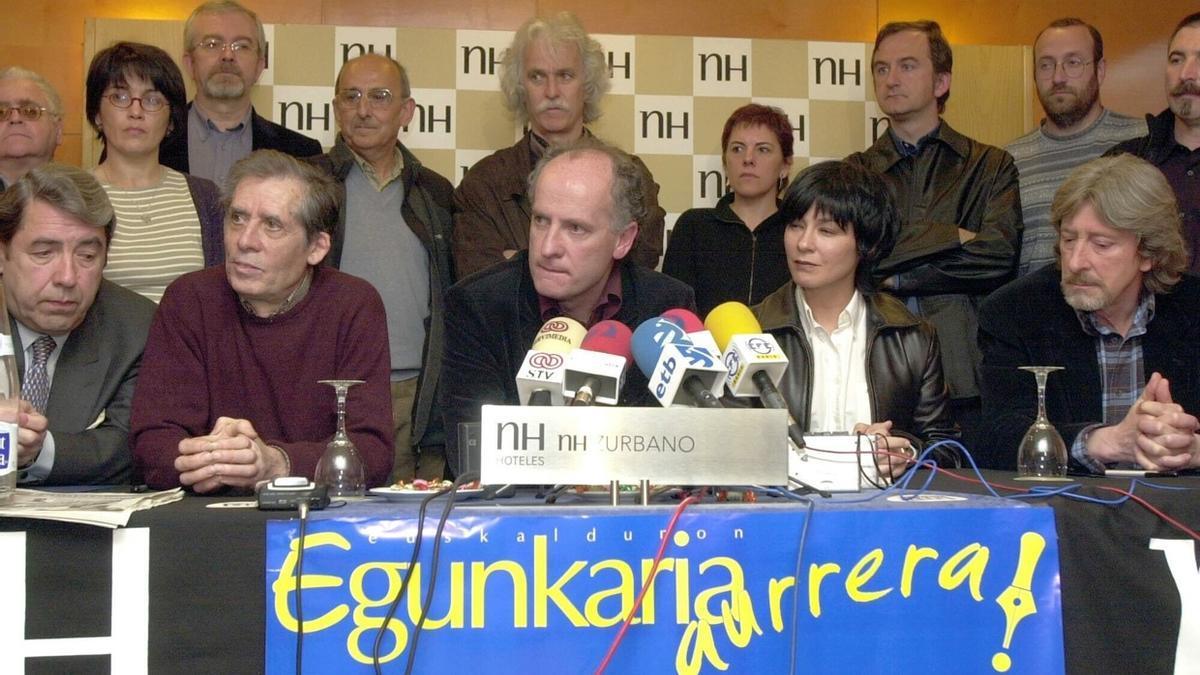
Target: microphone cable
(303,507)
(637,603)
(452,491)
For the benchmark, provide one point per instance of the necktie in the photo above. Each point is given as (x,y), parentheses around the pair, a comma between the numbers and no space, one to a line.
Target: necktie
(36,387)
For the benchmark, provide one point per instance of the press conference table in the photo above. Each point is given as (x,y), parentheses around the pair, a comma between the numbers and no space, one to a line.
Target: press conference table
(1121,609)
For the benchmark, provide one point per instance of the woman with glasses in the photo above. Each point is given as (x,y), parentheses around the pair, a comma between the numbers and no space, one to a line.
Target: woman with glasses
(735,250)
(168,223)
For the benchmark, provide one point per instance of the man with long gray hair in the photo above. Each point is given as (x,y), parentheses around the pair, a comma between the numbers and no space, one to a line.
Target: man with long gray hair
(552,77)
(1118,313)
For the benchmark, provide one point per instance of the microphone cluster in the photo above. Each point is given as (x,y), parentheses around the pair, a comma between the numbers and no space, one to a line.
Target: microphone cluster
(688,362)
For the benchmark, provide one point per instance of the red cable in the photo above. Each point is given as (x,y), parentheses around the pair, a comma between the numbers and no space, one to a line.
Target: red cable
(662,549)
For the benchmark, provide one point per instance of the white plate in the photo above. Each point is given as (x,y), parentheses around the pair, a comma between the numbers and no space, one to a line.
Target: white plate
(397,495)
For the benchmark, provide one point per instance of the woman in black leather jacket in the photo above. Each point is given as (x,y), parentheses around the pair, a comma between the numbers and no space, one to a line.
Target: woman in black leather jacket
(841,223)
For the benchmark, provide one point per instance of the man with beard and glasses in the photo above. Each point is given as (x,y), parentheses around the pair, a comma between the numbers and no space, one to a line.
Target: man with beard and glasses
(225,52)
(1173,142)
(1118,313)
(552,78)
(1068,68)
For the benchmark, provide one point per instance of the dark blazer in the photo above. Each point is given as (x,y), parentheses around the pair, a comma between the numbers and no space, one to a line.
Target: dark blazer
(95,376)
(492,211)
(492,318)
(264,135)
(426,211)
(1028,323)
(954,182)
(904,367)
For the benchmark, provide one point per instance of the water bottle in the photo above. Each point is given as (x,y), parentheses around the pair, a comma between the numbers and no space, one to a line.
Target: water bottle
(10,399)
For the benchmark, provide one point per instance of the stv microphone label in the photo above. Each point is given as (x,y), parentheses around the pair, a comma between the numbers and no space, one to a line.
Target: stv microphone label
(546,360)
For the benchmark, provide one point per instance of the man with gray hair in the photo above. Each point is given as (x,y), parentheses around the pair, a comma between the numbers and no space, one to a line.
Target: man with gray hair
(552,77)
(394,231)
(77,338)
(1118,313)
(587,205)
(224,51)
(231,391)
(30,123)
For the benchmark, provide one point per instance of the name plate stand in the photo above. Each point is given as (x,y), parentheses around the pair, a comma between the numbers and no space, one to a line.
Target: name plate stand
(665,446)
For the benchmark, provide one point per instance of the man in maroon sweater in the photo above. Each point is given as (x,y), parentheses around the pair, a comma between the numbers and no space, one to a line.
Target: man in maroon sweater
(230,395)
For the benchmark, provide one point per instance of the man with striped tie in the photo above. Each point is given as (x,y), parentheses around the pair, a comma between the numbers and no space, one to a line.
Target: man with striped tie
(77,338)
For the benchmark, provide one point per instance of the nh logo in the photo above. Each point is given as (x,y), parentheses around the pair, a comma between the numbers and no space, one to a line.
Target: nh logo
(427,119)
(485,58)
(833,71)
(306,115)
(127,646)
(723,66)
(353,50)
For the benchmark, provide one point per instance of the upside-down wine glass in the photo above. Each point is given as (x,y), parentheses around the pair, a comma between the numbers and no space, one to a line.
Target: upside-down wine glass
(1042,453)
(341,467)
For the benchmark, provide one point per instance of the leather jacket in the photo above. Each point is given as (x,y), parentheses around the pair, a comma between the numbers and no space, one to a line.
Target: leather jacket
(904,368)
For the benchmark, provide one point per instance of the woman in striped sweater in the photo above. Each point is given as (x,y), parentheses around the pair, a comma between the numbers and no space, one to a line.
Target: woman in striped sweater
(168,223)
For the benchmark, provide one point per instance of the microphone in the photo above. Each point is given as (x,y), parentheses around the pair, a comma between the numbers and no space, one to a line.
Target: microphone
(539,380)
(754,359)
(694,327)
(679,372)
(596,371)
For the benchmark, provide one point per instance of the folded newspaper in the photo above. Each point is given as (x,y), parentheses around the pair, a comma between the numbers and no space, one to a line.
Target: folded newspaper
(104,509)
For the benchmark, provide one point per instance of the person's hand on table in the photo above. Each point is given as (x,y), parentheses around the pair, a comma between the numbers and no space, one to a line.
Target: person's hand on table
(893,454)
(31,434)
(231,455)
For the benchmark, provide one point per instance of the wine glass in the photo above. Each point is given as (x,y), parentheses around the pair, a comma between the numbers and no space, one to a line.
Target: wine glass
(340,466)
(1042,454)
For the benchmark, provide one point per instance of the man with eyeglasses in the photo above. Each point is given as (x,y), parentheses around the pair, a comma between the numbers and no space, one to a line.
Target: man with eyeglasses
(30,123)
(394,230)
(1173,141)
(1068,68)
(225,52)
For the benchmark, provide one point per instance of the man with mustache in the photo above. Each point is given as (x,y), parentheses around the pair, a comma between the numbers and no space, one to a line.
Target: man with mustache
(225,52)
(394,231)
(231,389)
(1118,312)
(552,77)
(1173,141)
(77,338)
(1068,69)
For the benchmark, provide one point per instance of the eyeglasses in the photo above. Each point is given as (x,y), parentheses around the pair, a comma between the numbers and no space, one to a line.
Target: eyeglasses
(30,112)
(1072,66)
(214,45)
(151,102)
(379,99)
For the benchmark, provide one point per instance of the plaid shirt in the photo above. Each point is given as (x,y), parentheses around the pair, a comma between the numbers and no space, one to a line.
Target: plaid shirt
(1122,371)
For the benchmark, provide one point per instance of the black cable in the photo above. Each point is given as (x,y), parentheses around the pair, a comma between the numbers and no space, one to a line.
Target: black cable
(300,575)
(412,564)
(433,564)
(812,505)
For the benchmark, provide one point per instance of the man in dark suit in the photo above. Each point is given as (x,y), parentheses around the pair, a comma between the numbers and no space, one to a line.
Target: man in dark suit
(225,52)
(588,203)
(77,338)
(1117,313)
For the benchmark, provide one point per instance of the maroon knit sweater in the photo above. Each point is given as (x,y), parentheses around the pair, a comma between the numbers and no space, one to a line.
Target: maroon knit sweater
(207,357)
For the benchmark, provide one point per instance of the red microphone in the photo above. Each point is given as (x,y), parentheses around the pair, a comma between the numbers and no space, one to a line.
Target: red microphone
(596,371)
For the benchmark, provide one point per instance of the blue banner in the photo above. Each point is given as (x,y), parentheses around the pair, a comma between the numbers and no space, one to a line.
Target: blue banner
(962,586)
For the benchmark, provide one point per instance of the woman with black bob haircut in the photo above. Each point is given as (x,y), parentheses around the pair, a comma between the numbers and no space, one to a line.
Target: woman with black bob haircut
(860,362)
(168,223)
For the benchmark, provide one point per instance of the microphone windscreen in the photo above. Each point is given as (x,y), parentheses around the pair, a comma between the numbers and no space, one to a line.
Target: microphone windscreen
(728,319)
(650,338)
(610,337)
(559,335)
(686,319)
